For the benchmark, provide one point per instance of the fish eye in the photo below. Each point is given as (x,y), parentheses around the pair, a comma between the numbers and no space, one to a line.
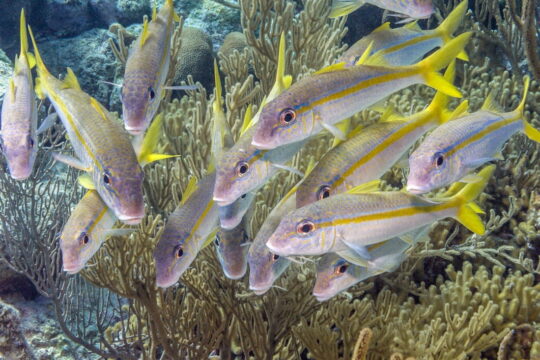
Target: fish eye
(179,252)
(324,192)
(106,179)
(151,93)
(275,257)
(216,240)
(287,116)
(242,168)
(85,239)
(305,227)
(439,159)
(243,196)
(342,269)
(30,142)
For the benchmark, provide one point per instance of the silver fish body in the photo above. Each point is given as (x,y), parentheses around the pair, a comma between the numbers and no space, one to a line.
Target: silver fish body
(85,231)
(185,233)
(231,248)
(265,267)
(335,274)
(146,71)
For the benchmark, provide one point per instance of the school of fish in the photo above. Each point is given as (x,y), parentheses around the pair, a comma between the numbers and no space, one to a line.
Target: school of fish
(336,212)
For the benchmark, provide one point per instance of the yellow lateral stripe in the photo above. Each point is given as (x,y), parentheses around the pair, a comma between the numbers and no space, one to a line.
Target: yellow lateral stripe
(199,221)
(409,211)
(409,43)
(382,146)
(78,135)
(97,219)
(481,134)
(362,85)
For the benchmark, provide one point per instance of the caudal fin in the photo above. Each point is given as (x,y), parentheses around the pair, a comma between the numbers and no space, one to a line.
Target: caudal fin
(531,132)
(467,210)
(450,25)
(438,108)
(429,66)
(344,7)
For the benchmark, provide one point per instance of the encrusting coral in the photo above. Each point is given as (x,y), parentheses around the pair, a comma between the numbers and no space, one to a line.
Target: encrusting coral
(476,310)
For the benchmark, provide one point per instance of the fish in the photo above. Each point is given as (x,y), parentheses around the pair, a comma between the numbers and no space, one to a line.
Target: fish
(187,231)
(407,44)
(335,274)
(102,147)
(91,221)
(85,231)
(335,93)
(18,132)
(453,150)
(265,267)
(409,9)
(231,215)
(231,249)
(146,71)
(351,221)
(371,151)
(244,168)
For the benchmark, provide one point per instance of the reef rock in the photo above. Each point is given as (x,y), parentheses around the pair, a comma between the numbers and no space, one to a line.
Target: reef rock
(12,343)
(90,58)
(11,11)
(125,12)
(67,18)
(196,57)
(12,282)
(6,68)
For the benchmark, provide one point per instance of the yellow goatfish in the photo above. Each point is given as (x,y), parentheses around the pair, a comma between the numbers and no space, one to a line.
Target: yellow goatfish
(102,147)
(407,44)
(371,151)
(146,70)
(335,93)
(19,114)
(91,222)
(350,222)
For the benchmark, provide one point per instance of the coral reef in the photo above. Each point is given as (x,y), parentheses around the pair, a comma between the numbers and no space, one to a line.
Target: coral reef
(458,296)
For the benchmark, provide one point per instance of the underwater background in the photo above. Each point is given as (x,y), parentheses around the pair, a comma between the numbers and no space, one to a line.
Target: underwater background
(457,296)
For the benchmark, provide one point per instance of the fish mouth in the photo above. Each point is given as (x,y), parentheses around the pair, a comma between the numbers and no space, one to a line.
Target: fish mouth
(229,223)
(416,189)
(261,145)
(222,201)
(20,175)
(134,130)
(259,290)
(235,275)
(165,283)
(322,297)
(276,250)
(131,220)
(72,268)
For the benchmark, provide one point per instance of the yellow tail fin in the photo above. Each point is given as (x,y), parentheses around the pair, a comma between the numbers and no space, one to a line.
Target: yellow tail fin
(429,66)
(439,105)
(467,210)
(531,132)
(450,25)
(23,35)
(344,7)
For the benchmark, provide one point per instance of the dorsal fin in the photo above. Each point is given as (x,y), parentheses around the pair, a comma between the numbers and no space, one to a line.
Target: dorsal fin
(247,119)
(333,67)
(176,17)
(70,81)
(376,59)
(490,104)
(412,26)
(461,110)
(144,33)
(383,27)
(368,187)
(190,189)
(96,105)
(365,54)
(154,11)
(344,126)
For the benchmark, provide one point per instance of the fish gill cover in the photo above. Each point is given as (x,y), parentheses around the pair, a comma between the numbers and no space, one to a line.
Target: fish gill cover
(456,295)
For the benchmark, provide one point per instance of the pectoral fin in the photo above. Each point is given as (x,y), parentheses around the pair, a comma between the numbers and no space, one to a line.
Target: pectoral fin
(86,182)
(334,131)
(288,168)
(360,250)
(352,257)
(71,161)
(47,123)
